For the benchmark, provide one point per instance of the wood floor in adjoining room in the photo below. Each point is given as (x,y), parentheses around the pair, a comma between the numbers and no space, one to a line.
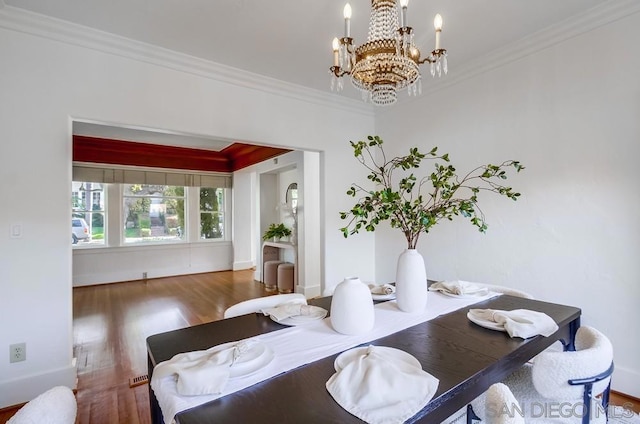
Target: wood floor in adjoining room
(111,323)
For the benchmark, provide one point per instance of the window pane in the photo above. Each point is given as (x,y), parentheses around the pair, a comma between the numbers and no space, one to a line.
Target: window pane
(211,213)
(88,216)
(153,213)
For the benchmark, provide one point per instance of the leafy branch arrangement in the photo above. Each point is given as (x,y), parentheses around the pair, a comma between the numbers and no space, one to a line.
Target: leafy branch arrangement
(403,201)
(276,231)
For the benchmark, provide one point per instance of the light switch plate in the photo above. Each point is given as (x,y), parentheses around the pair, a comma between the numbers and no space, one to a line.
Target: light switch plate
(16,230)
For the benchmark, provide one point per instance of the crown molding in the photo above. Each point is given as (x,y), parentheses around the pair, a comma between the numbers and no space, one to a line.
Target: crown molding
(21,20)
(28,22)
(606,13)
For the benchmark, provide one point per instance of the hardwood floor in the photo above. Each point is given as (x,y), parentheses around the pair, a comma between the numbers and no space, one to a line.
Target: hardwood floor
(111,323)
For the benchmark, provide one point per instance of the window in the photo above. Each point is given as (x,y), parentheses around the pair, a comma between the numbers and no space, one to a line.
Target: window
(153,213)
(87,213)
(147,213)
(211,213)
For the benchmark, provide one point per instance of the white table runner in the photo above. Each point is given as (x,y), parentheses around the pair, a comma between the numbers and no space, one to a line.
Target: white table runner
(301,345)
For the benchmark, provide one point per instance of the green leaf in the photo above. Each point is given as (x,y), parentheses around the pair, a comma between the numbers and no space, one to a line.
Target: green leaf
(413,203)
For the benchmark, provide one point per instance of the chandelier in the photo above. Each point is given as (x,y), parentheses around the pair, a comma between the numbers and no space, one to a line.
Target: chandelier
(388,62)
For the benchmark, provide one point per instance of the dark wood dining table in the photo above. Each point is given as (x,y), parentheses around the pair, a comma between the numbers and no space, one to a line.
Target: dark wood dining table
(465,357)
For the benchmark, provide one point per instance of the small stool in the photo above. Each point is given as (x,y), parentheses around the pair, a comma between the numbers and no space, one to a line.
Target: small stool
(270,277)
(285,278)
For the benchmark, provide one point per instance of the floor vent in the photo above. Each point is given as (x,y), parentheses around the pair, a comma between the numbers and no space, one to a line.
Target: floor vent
(138,381)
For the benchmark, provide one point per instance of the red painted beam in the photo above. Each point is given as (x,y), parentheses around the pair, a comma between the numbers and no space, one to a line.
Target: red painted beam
(131,153)
(243,155)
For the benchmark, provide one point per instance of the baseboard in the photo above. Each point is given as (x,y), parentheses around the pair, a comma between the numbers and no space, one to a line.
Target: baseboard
(625,380)
(18,391)
(309,292)
(120,276)
(240,265)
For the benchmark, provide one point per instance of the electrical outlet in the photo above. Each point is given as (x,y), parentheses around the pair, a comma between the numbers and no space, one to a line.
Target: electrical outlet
(144,275)
(18,352)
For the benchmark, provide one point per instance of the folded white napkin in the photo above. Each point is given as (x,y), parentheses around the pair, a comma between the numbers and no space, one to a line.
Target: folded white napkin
(378,388)
(459,288)
(288,310)
(382,289)
(519,322)
(203,372)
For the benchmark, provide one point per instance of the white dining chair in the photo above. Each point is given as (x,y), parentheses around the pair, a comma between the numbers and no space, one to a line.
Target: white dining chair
(509,291)
(55,406)
(558,387)
(497,405)
(573,377)
(255,305)
(579,379)
(501,406)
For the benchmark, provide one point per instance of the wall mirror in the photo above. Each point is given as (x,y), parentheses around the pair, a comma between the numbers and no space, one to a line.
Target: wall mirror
(291,197)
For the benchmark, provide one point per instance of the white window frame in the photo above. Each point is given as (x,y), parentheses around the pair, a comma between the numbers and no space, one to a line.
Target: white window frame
(114,220)
(223,213)
(123,239)
(82,195)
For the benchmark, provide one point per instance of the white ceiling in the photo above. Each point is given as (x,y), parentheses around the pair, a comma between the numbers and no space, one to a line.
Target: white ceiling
(290,40)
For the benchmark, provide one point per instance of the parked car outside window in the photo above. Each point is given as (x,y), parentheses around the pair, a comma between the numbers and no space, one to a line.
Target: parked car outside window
(79,230)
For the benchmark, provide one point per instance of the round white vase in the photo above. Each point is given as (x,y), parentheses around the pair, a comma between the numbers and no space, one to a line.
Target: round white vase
(352,307)
(411,282)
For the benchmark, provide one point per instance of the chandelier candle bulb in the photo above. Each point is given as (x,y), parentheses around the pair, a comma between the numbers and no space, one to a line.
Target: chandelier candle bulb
(437,23)
(404,4)
(347,20)
(336,46)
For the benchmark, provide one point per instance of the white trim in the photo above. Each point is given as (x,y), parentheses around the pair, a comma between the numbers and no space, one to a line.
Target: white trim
(241,265)
(309,291)
(591,19)
(21,20)
(151,168)
(19,391)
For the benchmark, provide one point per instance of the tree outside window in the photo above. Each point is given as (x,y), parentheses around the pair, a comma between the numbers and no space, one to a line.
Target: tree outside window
(153,213)
(211,214)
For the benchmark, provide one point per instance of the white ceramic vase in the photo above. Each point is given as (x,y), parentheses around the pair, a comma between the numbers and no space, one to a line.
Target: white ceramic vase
(352,307)
(411,282)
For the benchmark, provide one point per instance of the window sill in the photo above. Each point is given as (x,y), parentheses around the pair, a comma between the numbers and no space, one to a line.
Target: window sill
(150,246)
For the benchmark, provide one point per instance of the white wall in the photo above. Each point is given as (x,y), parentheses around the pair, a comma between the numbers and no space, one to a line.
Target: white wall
(50,76)
(571,114)
(268,201)
(302,167)
(244,216)
(108,265)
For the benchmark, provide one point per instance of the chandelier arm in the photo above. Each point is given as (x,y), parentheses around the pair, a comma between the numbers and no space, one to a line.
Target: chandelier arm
(433,57)
(338,72)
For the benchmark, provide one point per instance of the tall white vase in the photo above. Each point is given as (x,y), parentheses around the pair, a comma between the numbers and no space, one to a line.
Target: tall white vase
(411,282)
(352,307)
